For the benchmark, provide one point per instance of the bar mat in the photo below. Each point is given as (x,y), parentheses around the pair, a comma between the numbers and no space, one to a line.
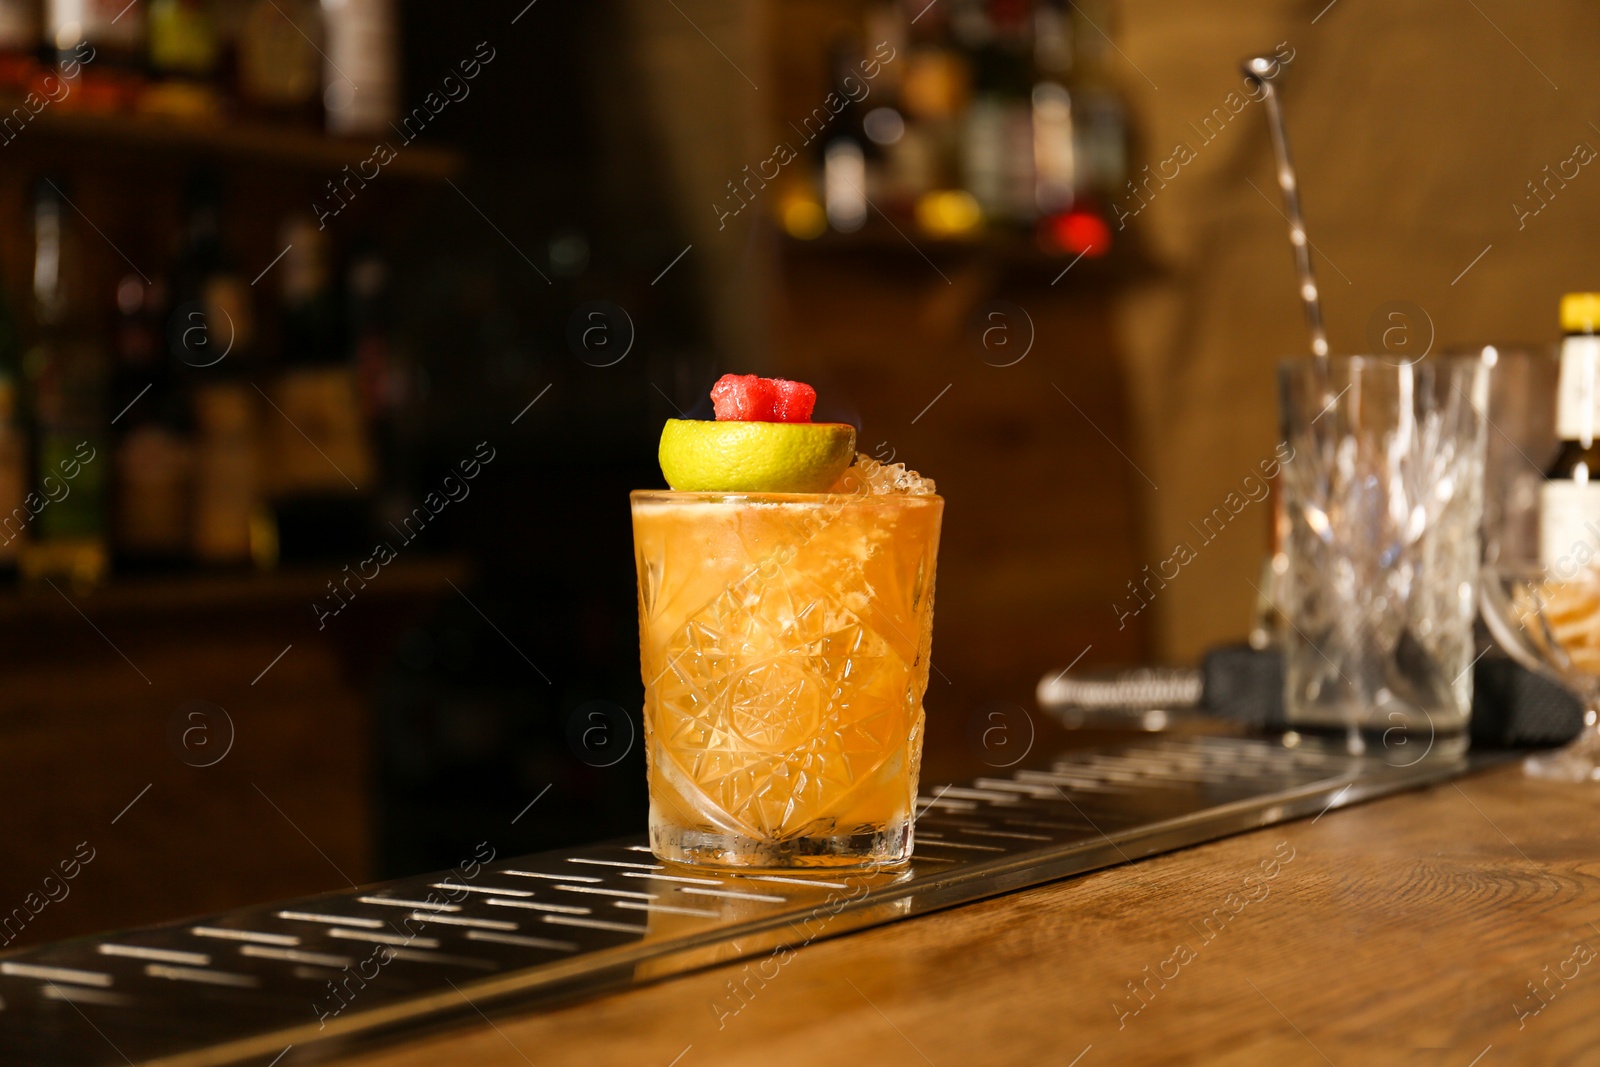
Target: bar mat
(290,982)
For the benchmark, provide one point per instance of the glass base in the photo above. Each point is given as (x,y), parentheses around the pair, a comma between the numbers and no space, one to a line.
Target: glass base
(1397,746)
(1578,762)
(876,850)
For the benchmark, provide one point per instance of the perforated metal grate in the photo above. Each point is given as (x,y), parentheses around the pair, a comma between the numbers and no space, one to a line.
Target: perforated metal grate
(305,977)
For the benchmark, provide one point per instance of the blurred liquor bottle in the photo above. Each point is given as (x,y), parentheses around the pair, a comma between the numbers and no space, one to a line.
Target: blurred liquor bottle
(14,514)
(185,53)
(278,60)
(322,469)
(19,45)
(882,61)
(104,42)
(1074,173)
(845,148)
(935,83)
(361,74)
(997,131)
(211,339)
(383,379)
(66,369)
(152,444)
(1054,157)
(228,18)
(1099,116)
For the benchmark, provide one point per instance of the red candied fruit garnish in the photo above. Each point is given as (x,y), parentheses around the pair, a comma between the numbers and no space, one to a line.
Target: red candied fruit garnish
(794,401)
(743,398)
(748,398)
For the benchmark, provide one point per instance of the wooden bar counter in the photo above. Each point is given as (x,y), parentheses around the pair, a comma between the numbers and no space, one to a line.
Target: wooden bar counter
(1451,926)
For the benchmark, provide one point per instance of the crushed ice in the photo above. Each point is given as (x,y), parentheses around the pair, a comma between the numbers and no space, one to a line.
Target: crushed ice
(868,475)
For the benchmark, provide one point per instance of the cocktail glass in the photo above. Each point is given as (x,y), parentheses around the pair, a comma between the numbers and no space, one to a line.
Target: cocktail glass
(1552,626)
(1540,598)
(784,643)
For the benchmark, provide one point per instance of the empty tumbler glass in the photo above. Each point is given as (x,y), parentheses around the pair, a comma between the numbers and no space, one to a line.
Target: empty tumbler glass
(1383,497)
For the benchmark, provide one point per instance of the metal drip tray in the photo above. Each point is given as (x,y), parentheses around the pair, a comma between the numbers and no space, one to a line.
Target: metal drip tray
(303,979)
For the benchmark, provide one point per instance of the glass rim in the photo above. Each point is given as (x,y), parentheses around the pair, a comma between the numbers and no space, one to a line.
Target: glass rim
(1361,360)
(1469,349)
(685,496)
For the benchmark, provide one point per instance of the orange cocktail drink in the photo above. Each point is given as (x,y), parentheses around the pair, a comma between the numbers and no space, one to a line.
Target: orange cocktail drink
(784,642)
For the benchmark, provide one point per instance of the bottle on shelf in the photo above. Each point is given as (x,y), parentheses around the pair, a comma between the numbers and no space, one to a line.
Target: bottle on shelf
(1099,118)
(997,130)
(228,16)
(66,372)
(19,45)
(1054,159)
(382,377)
(1569,499)
(99,45)
(231,525)
(278,60)
(185,53)
(897,174)
(211,341)
(845,148)
(935,86)
(322,470)
(151,435)
(361,74)
(1075,171)
(14,514)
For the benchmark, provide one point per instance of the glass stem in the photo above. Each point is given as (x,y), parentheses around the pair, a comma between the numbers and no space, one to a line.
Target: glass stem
(1579,761)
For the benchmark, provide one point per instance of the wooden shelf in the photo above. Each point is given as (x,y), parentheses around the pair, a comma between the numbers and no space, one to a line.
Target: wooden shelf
(279,145)
(901,243)
(197,592)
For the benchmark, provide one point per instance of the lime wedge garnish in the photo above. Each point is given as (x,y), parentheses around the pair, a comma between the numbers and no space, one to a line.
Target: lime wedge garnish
(755,457)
